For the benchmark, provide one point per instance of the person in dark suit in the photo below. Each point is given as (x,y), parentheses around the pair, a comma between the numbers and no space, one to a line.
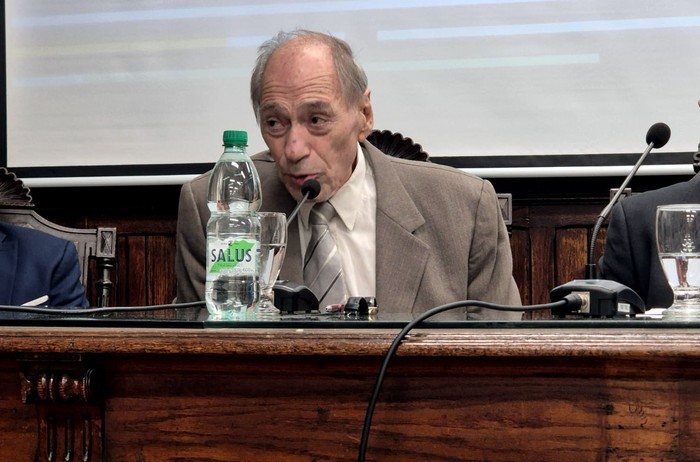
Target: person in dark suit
(630,256)
(414,234)
(37,269)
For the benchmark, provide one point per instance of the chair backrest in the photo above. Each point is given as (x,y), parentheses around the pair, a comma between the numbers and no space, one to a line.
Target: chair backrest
(397,145)
(97,244)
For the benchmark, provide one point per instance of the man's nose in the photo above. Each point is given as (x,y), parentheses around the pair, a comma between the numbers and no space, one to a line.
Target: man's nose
(296,147)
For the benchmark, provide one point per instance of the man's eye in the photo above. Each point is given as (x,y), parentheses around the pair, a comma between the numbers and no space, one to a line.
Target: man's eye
(274,125)
(316,120)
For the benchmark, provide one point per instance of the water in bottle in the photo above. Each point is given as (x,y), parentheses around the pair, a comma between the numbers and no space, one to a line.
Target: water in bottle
(233,231)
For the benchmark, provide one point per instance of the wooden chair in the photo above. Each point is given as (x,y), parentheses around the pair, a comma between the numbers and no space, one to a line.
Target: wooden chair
(98,244)
(397,145)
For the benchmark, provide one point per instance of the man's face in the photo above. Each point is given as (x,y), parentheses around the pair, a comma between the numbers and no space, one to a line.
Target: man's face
(310,130)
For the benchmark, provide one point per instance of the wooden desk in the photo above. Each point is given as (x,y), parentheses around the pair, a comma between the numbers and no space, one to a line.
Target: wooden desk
(288,394)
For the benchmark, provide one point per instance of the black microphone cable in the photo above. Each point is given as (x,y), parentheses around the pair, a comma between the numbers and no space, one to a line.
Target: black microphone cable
(99,310)
(570,299)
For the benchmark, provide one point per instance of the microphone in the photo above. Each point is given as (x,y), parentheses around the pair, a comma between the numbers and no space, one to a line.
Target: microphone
(291,296)
(657,137)
(310,189)
(603,298)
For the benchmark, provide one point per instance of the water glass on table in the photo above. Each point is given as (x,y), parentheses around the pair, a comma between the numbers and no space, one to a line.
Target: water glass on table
(273,244)
(678,245)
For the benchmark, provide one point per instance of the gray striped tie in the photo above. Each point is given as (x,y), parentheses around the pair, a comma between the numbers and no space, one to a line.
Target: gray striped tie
(323,273)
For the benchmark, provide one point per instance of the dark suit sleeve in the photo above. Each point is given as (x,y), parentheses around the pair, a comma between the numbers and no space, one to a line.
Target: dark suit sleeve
(66,289)
(191,248)
(616,263)
(630,255)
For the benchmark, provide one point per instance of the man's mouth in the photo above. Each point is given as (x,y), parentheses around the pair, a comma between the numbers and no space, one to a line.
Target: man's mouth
(299,180)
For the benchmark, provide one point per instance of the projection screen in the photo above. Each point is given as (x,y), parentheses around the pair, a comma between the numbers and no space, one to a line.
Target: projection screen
(141,88)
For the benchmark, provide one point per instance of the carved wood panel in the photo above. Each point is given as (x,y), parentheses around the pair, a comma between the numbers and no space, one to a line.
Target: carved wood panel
(68,397)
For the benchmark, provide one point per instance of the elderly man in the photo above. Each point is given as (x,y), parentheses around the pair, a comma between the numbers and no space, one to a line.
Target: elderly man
(414,234)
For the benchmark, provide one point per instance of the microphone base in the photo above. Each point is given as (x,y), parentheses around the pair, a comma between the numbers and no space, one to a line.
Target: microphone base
(603,299)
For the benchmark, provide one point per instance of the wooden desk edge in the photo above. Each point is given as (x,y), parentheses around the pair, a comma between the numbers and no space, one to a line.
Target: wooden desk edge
(513,342)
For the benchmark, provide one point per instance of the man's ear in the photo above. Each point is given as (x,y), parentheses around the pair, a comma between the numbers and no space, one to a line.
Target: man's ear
(367,116)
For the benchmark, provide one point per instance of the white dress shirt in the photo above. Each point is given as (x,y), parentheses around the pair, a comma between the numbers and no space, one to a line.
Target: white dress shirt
(353,228)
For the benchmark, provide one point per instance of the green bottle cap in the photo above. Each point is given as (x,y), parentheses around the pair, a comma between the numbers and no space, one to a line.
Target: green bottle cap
(235,138)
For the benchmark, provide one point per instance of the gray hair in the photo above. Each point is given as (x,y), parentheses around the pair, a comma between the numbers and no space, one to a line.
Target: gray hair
(353,80)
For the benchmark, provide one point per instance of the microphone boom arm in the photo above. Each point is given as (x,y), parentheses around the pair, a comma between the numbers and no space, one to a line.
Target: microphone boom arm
(310,189)
(591,266)
(296,209)
(606,211)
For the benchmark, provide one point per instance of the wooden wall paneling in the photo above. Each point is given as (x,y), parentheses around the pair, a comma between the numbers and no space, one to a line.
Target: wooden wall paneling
(131,286)
(571,254)
(160,269)
(145,258)
(138,287)
(121,287)
(18,428)
(522,271)
(563,215)
(542,263)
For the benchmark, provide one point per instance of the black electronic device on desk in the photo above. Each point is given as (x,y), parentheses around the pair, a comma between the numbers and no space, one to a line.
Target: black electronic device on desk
(292,297)
(603,299)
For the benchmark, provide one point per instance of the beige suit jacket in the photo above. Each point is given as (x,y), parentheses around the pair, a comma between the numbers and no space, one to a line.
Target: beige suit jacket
(440,237)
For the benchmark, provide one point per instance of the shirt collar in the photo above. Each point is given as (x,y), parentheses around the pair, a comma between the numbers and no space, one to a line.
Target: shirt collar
(345,200)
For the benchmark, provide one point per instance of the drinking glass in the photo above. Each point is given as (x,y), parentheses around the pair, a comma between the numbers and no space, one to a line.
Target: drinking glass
(678,245)
(273,244)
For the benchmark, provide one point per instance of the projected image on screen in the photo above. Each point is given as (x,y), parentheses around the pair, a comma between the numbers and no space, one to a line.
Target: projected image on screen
(156,82)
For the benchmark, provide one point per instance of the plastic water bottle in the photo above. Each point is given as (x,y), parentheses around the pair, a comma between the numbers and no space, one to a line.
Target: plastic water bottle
(233,231)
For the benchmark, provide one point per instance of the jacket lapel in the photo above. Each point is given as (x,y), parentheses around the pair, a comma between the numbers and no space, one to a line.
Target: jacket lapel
(292,269)
(401,256)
